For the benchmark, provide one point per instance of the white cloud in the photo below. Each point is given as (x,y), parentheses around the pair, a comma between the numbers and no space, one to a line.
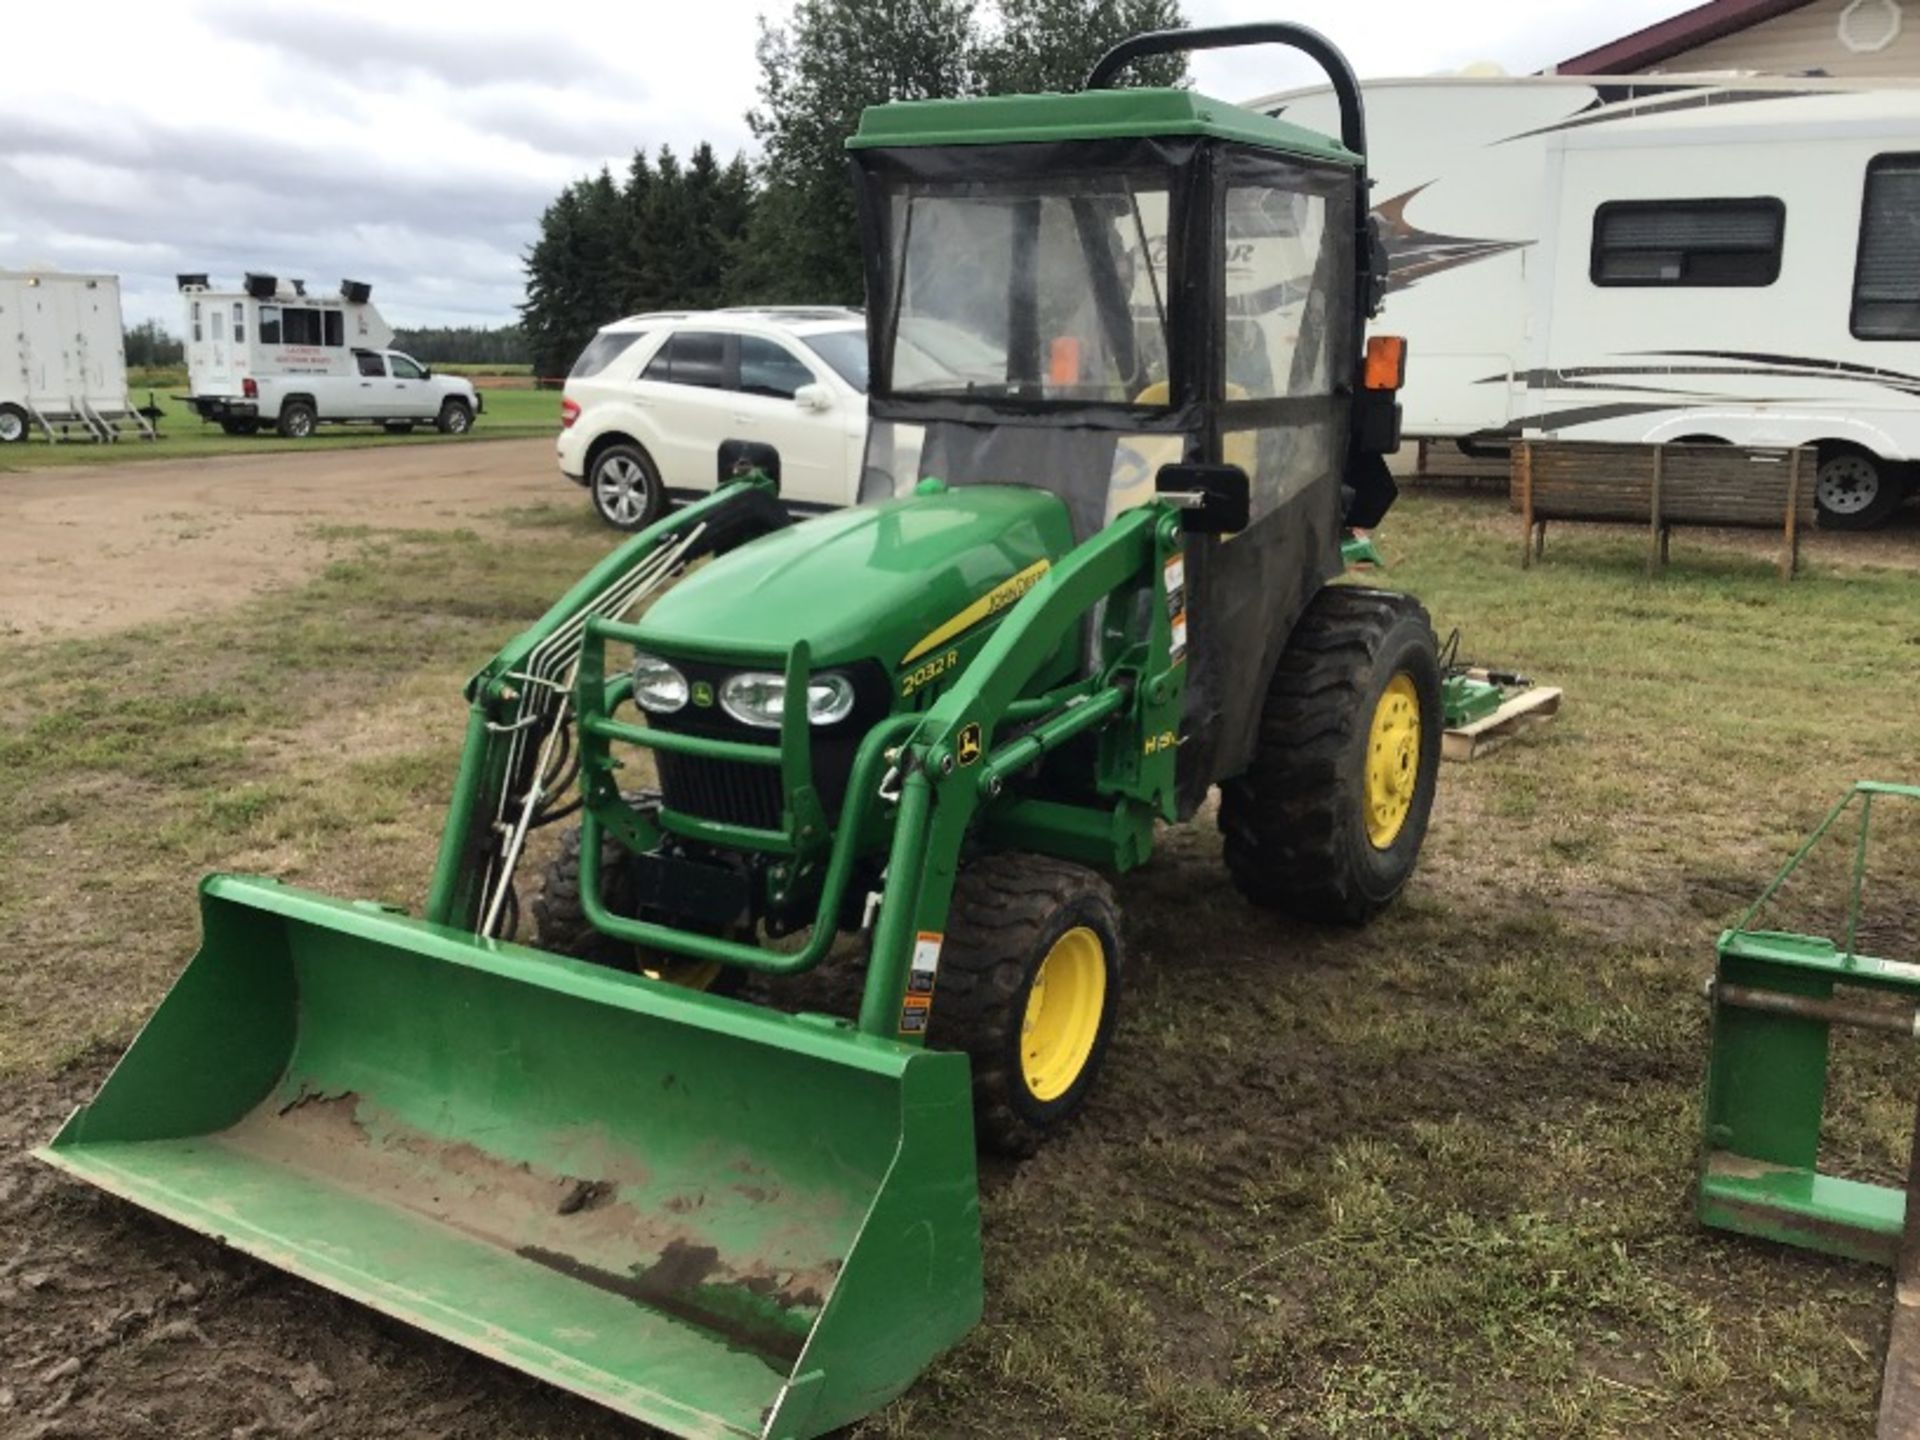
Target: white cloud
(415,146)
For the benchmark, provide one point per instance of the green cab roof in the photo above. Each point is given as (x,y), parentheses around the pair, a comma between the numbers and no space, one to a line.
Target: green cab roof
(1087,115)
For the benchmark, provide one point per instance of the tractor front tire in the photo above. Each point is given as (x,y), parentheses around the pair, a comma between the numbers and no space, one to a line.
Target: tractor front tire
(560,923)
(1326,823)
(1029,987)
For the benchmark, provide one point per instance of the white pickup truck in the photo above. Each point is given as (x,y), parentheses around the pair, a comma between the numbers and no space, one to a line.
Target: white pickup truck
(272,355)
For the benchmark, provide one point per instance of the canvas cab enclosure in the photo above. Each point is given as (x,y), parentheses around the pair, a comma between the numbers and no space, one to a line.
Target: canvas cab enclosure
(1076,290)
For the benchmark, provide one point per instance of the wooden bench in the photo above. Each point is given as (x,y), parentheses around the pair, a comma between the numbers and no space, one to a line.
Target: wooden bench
(1442,464)
(1662,486)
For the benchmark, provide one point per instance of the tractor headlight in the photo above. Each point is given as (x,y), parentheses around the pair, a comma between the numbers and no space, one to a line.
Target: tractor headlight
(759,698)
(658,687)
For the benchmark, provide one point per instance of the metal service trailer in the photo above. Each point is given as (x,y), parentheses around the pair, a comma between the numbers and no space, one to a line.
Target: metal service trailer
(63,359)
(1704,258)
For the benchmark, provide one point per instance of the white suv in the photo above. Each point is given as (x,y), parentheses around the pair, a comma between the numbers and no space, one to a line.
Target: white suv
(653,397)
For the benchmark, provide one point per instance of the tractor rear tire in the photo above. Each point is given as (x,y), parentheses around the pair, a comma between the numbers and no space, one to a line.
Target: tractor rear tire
(1020,924)
(560,923)
(1326,823)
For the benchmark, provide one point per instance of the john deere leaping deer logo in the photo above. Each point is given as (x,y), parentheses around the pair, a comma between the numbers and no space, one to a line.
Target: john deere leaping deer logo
(967,749)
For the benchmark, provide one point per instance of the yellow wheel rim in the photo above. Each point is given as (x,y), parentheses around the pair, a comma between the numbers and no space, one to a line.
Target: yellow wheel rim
(1393,761)
(1064,1007)
(689,974)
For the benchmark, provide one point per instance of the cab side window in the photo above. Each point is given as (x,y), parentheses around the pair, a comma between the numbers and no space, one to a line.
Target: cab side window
(371,365)
(405,369)
(692,357)
(768,368)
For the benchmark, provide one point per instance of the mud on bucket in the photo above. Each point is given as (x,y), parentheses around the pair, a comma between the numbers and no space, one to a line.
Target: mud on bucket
(717,1219)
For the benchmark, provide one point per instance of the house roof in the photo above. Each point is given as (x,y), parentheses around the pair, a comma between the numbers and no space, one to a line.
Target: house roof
(1673,36)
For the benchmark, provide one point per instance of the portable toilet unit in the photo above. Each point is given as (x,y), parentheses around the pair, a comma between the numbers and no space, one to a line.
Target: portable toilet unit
(63,359)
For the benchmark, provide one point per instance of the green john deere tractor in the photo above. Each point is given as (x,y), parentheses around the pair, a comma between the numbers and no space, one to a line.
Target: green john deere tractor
(1122,406)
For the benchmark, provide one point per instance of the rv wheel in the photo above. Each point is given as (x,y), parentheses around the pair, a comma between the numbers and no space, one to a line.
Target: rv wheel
(296,420)
(1856,490)
(13,424)
(455,418)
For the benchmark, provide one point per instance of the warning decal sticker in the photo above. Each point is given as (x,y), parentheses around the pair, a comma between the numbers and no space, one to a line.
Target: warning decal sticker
(917,1007)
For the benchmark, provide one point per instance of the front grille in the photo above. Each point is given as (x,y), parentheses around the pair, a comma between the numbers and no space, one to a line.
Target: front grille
(722,790)
(735,794)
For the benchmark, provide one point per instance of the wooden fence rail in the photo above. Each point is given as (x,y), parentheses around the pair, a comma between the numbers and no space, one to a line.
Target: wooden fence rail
(1663,486)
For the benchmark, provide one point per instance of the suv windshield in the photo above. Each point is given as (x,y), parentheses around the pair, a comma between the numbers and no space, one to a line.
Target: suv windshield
(845,351)
(1050,290)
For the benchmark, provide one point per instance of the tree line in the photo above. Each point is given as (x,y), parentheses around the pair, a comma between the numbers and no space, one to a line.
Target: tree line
(781,230)
(464,344)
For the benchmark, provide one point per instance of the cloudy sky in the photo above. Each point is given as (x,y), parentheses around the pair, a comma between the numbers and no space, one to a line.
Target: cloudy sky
(414,145)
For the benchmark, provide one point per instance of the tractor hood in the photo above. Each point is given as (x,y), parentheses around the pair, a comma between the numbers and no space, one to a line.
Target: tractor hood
(880,582)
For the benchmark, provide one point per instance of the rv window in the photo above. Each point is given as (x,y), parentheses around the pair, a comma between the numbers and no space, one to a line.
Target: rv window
(1688,242)
(239,323)
(269,324)
(692,357)
(1886,277)
(219,326)
(371,364)
(336,327)
(196,322)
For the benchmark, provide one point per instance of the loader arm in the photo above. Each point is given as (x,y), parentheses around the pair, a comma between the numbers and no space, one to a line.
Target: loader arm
(957,767)
(517,703)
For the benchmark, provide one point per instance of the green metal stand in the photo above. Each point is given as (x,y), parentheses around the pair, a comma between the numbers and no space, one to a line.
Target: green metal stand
(1774,1009)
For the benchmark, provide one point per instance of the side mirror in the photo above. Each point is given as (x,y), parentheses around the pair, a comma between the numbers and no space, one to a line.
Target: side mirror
(1214,499)
(426,372)
(816,398)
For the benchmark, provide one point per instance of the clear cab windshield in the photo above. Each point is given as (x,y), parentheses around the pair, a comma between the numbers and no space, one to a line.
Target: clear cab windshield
(1031,290)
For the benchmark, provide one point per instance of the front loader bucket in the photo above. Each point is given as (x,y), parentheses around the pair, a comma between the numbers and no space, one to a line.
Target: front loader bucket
(717,1219)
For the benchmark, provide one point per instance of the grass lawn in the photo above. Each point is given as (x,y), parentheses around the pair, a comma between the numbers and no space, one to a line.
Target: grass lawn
(1428,1179)
(506,414)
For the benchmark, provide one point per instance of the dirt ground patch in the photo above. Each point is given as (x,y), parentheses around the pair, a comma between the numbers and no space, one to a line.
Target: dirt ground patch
(89,549)
(1430,1179)
(113,1323)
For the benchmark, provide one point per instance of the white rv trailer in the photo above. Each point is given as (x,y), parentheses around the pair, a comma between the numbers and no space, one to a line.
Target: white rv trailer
(270,354)
(1647,259)
(63,359)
